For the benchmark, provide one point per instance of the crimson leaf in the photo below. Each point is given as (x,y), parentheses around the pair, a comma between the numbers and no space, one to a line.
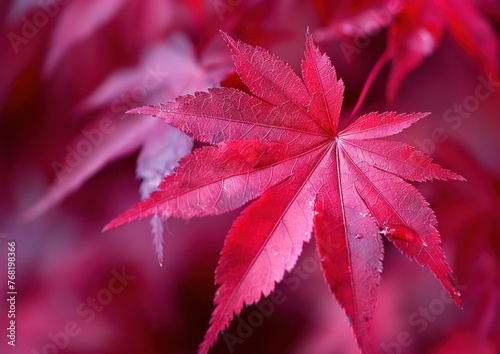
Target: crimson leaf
(282,143)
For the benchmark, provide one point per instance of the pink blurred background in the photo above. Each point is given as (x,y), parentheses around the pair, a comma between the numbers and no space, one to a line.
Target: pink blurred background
(71,161)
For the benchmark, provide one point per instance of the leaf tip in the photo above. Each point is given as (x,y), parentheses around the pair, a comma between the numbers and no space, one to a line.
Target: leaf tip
(110,226)
(119,221)
(147,110)
(456,296)
(309,35)
(136,110)
(459,178)
(228,39)
(310,40)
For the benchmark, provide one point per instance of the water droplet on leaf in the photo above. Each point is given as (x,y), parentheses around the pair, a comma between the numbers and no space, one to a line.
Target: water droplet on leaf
(399,233)
(359,236)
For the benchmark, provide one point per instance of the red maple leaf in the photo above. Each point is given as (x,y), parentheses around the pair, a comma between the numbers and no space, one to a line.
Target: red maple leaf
(282,143)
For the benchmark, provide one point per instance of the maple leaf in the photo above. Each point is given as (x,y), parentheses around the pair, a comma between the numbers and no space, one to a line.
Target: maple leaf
(283,143)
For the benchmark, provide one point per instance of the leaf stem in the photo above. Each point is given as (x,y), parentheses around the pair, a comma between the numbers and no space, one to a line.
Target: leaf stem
(369,81)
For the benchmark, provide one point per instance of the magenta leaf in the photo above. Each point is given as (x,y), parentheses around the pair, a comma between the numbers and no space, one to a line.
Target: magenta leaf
(281,144)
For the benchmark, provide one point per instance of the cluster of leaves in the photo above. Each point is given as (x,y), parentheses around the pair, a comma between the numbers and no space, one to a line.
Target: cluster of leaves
(282,144)
(414,31)
(114,42)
